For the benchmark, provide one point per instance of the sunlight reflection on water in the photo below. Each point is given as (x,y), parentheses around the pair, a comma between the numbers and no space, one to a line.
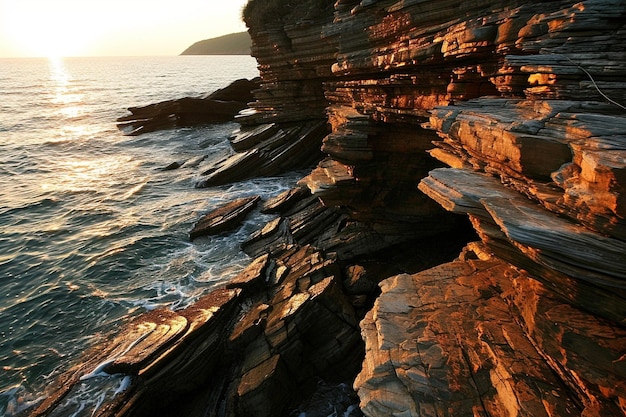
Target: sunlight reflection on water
(93,230)
(73,175)
(68,103)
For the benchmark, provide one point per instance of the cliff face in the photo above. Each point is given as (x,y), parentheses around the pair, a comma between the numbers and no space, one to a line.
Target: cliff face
(524,104)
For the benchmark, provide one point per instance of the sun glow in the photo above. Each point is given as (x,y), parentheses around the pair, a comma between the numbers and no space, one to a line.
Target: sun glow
(50,29)
(46,28)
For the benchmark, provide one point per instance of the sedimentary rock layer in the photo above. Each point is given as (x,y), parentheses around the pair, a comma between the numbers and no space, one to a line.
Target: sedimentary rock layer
(478,336)
(527,103)
(255,347)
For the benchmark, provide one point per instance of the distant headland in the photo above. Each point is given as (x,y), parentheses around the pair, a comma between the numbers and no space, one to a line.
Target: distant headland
(232,44)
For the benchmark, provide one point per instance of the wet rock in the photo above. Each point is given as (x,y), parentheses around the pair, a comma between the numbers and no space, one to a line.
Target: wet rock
(257,346)
(286,200)
(293,146)
(173,166)
(218,107)
(183,345)
(224,218)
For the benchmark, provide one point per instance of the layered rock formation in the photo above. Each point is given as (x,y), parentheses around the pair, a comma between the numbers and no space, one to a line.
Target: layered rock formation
(217,107)
(538,153)
(523,101)
(253,348)
(498,121)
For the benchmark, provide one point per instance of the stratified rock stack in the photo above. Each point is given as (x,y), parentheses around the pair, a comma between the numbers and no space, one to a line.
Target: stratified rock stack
(284,126)
(529,110)
(256,347)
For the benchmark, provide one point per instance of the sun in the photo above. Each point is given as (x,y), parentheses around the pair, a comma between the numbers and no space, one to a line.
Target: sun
(51,29)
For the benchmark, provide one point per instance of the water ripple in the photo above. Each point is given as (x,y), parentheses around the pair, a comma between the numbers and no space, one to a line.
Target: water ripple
(93,230)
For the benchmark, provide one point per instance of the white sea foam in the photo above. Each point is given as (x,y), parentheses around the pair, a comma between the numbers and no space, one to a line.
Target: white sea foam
(98,370)
(124,384)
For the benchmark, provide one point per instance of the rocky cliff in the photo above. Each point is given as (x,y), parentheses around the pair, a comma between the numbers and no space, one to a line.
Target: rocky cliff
(464,217)
(510,114)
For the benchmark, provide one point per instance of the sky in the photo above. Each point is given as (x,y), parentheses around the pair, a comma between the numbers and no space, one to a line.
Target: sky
(42,28)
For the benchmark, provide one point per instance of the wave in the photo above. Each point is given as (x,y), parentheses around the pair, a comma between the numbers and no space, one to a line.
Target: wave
(44,203)
(135,190)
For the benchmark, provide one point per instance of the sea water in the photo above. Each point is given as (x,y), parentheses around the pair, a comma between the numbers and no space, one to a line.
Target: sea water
(93,231)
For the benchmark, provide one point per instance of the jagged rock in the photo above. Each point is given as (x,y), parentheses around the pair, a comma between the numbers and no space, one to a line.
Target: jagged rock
(224,218)
(289,147)
(183,345)
(526,101)
(253,276)
(258,346)
(218,107)
(447,342)
(566,155)
(582,266)
(247,137)
(285,200)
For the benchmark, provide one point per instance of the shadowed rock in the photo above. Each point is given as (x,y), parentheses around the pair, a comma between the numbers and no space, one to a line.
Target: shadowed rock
(224,218)
(218,107)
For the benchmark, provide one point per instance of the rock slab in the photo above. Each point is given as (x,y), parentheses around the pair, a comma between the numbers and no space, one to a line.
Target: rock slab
(449,342)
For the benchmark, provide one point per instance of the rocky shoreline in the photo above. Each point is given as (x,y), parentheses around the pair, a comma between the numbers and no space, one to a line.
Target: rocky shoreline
(459,248)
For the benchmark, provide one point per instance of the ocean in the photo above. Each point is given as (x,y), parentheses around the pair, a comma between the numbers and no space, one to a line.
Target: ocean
(93,231)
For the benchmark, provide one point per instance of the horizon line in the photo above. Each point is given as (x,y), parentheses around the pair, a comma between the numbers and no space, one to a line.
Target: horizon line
(116,56)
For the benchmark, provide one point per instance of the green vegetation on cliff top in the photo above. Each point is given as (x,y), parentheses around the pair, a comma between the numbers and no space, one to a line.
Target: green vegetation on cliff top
(233,44)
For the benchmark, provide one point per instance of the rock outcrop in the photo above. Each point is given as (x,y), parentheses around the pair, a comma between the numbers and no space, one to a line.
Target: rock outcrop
(254,348)
(224,218)
(432,124)
(217,107)
(481,337)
